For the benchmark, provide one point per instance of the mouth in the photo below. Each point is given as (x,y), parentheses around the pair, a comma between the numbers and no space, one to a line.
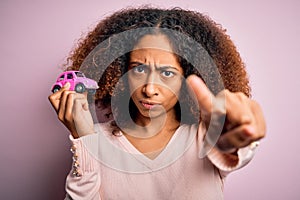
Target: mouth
(149,105)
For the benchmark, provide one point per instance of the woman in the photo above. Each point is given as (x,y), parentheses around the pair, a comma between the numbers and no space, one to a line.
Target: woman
(168,66)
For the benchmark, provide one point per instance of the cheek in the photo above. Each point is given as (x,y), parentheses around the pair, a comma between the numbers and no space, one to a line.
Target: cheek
(172,94)
(135,92)
(132,87)
(175,88)
(134,84)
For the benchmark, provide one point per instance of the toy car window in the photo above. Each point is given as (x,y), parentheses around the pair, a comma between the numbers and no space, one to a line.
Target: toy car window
(61,77)
(79,74)
(69,76)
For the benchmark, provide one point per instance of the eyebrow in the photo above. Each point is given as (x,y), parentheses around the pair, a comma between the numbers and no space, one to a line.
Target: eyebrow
(157,68)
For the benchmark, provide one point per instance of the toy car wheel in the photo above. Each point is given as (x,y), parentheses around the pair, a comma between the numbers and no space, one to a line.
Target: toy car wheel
(56,88)
(80,88)
(92,91)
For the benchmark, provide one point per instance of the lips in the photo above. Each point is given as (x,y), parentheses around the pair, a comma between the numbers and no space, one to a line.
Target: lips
(149,104)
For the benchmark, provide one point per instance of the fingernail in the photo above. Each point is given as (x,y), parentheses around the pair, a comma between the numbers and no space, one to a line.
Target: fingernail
(67,84)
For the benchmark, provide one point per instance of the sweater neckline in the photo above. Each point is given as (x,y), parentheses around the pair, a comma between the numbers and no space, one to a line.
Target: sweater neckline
(118,153)
(177,145)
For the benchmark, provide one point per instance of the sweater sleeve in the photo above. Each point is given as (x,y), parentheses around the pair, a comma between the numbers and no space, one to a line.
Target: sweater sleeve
(83,182)
(227,162)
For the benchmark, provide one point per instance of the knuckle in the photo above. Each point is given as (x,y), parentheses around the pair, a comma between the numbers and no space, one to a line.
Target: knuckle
(70,97)
(249,131)
(227,91)
(228,95)
(253,134)
(65,118)
(76,101)
(223,94)
(245,119)
(68,118)
(65,92)
(51,97)
(241,96)
(61,118)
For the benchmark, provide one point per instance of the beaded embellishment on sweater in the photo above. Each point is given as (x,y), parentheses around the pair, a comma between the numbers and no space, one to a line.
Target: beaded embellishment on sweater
(76,168)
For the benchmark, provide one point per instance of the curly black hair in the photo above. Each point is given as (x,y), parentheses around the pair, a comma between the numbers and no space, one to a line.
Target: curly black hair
(202,47)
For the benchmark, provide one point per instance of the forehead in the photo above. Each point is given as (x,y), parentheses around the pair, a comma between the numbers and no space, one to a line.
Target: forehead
(153,56)
(157,41)
(154,49)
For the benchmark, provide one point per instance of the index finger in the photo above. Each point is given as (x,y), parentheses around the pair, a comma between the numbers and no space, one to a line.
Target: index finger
(203,95)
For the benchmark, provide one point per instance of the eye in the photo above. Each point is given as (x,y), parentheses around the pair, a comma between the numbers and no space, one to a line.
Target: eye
(139,69)
(167,73)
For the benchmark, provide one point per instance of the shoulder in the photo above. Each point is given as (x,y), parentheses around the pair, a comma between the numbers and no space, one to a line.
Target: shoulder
(106,128)
(188,130)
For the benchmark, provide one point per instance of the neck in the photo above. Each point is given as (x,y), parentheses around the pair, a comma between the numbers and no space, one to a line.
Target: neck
(147,127)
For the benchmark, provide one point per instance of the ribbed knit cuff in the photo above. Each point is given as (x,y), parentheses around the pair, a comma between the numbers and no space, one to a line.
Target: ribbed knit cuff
(228,162)
(83,161)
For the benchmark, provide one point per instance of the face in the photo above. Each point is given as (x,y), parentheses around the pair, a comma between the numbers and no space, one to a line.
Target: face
(154,77)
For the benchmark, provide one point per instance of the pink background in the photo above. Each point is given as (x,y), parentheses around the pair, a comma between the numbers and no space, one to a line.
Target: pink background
(36,37)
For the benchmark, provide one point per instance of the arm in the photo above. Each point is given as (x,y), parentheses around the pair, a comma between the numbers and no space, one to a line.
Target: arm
(83,182)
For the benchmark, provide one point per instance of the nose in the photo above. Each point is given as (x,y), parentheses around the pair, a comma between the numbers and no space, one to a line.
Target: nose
(150,89)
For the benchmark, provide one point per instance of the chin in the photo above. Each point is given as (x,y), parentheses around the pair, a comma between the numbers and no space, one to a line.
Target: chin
(152,113)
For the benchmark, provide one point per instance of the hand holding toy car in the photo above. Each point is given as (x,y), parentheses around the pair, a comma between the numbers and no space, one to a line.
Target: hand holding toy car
(69,100)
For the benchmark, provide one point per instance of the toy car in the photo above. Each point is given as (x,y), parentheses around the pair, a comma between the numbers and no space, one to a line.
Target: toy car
(77,80)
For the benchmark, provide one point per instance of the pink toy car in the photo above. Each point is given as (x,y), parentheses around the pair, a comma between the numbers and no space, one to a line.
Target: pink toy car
(78,81)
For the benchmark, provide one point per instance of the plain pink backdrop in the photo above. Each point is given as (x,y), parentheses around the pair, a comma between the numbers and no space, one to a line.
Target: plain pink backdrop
(36,37)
